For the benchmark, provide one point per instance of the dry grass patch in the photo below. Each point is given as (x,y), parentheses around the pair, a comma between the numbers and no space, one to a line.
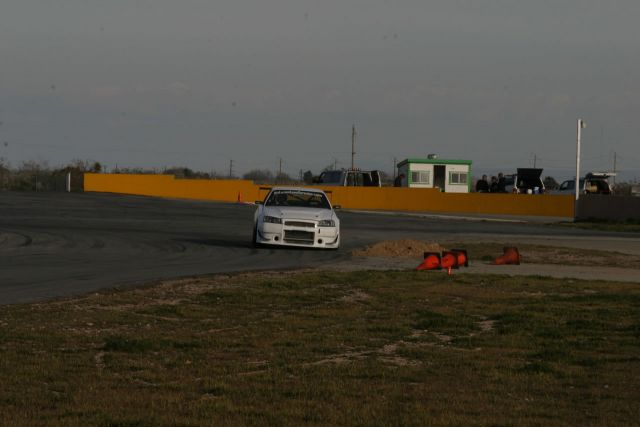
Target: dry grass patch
(327,349)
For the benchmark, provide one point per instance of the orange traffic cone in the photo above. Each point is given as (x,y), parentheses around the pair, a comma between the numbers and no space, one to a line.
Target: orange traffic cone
(431,261)
(510,256)
(463,258)
(449,261)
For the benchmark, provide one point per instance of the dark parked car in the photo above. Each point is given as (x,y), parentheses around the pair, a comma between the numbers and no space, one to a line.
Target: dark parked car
(350,178)
(525,181)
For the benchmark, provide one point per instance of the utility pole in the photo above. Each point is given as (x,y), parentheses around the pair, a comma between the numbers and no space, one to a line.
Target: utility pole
(353,146)
(581,125)
(615,159)
(335,163)
(230,168)
(395,167)
(280,167)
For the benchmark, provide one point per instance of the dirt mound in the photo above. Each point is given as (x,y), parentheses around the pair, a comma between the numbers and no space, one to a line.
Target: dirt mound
(398,248)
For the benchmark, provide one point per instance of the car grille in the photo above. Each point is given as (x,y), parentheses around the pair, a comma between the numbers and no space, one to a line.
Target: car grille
(297,236)
(300,224)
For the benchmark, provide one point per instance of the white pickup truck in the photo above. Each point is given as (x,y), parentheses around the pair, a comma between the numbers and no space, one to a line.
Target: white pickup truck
(592,183)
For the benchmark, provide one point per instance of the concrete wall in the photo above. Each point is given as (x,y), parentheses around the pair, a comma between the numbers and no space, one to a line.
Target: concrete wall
(385,198)
(615,208)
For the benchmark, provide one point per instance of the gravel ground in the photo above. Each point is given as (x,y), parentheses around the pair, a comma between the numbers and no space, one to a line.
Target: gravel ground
(575,263)
(550,270)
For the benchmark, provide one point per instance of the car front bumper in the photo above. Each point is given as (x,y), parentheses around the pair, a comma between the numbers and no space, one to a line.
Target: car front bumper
(308,237)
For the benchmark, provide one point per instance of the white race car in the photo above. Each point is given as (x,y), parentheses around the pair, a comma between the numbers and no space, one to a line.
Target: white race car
(295,216)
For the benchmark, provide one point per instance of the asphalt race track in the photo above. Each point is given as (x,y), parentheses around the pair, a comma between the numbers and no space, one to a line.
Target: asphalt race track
(59,244)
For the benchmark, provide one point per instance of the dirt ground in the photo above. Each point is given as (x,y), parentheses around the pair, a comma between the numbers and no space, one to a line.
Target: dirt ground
(536,260)
(487,251)
(398,248)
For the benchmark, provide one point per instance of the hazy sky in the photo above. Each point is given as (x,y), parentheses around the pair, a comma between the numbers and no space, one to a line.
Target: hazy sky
(156,83)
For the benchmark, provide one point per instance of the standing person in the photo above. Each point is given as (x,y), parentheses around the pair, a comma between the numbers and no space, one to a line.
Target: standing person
(398,181)
(482,186)
(494,185)
(502,183)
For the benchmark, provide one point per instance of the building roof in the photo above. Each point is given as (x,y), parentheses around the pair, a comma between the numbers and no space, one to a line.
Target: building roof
(435,162)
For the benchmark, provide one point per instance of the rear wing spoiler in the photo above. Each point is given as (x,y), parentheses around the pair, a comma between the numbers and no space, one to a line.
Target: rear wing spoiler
(269,189)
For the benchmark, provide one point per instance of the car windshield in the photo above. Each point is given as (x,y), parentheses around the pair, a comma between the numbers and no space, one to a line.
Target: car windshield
(569,185)
(301,199)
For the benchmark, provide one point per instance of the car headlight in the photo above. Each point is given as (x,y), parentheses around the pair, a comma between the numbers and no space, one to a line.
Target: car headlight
(327,223)
(272,220)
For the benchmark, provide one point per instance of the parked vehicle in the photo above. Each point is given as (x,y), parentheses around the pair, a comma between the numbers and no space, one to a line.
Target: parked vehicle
(525,181)
(296,216)
(350,178)
(592,183)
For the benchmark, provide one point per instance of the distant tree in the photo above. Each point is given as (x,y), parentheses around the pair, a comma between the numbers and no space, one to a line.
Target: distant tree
(283,178)
(622,188)
(550,183)
(31,175)
(135,171)
(34,166)
(5,173)
(385,179)
(80,165)
(331,167)
(307,177)
(259,176)
(97,167)
(180,172)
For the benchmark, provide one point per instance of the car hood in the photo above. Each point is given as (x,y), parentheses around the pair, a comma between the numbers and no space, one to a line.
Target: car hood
(299,213)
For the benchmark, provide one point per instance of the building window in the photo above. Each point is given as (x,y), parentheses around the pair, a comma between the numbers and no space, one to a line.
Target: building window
(420,177)
(458,178)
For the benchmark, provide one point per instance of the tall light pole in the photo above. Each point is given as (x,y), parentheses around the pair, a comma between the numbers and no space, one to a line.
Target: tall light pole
(353,146)
(581,125)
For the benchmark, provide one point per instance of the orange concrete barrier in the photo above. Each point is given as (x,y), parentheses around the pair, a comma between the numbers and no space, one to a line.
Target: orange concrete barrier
(169,186)
(373,198)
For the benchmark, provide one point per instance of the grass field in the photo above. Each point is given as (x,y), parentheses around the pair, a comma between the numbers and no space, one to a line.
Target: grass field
(314,348)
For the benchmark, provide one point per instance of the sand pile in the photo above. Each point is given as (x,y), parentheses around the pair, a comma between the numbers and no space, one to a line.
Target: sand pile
(398,248)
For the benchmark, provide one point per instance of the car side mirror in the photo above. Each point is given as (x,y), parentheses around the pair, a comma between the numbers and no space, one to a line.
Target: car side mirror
(258,202)
(336,207)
